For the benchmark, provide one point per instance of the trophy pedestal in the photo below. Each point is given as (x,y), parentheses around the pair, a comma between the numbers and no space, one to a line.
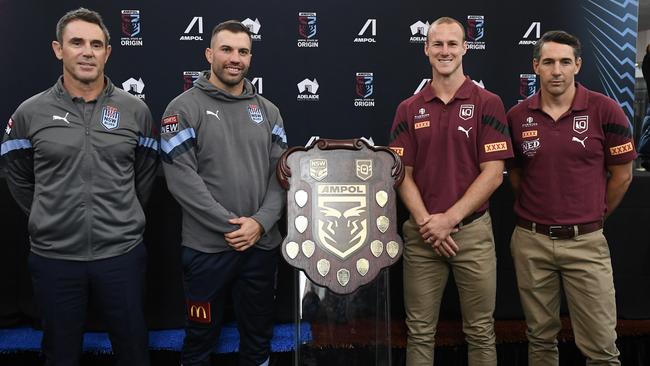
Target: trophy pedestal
(346,330)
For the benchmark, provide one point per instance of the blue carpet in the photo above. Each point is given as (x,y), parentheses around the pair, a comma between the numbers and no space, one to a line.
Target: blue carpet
(28,339)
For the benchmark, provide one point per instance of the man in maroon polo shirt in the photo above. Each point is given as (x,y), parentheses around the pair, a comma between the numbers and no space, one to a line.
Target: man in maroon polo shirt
(453,139)
(573,163)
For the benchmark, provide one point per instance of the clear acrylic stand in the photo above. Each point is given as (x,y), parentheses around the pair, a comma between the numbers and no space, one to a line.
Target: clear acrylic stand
(343,330)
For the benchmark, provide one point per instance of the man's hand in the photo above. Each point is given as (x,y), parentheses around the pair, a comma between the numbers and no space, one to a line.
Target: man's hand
(436,231)
(246,236)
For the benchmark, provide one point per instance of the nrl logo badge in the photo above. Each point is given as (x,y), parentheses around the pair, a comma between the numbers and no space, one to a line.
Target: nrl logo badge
(466,111)
(342,227)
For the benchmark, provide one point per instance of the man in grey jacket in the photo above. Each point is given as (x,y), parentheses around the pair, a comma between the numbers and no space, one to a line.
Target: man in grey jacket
(220,143)
(81,158)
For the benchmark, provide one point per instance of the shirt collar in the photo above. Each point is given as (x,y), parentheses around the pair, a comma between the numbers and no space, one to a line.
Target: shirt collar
(464,92)
(579,103)
(60,90)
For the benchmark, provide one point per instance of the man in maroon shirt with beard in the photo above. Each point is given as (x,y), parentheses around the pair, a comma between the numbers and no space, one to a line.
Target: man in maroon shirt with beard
(573,164)
(453,139)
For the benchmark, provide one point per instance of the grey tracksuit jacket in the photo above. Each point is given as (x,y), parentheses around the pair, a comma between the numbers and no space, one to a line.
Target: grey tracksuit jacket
(81,171)
(219,155)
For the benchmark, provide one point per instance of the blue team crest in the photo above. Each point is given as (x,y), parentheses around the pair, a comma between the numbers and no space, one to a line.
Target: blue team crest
(256,113)
(110,117)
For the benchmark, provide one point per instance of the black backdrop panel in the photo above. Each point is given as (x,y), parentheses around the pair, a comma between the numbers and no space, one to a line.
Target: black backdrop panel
(367,42)
(387,51)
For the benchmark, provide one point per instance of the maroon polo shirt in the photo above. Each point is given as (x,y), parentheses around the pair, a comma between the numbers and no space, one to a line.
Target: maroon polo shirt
(564,163)
(445,143)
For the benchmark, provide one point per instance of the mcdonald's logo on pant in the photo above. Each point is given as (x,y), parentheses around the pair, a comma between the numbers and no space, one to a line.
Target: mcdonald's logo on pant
(198,311)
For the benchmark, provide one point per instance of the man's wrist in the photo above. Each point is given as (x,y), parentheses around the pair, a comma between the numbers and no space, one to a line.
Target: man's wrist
(454,217)
(421,220)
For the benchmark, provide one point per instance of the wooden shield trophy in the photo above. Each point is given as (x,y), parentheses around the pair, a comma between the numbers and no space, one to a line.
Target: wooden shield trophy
(341,228)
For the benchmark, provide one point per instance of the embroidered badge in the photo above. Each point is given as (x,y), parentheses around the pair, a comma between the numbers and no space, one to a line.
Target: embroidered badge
(110,117)
(256,113)
(621,149)
(497,146)
(169,124)
(466,111)
(398,150)
(580,124)
(529,133)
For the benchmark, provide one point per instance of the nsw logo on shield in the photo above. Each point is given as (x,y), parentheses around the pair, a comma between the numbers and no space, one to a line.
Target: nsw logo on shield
(110,117)
(256,113)
(318,168)
(466,111)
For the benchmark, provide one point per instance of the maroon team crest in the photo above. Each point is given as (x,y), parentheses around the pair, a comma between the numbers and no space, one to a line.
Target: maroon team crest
(466,111)
(342,228)
(580,124)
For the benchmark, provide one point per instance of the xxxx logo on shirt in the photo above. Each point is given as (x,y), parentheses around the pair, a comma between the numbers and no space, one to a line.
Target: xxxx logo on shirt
(398,150)
(621,149)
(497,146)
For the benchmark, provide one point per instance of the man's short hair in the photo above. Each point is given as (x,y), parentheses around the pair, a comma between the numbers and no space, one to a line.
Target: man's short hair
(234,26)
(447,20)
(84,14)
(558,36)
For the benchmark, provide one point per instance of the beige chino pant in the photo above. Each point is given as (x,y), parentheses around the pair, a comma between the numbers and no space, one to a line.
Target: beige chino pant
(425,277)
(583,265)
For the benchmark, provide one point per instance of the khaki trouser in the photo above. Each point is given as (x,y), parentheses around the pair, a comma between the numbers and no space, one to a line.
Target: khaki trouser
(425,277)
(583,265)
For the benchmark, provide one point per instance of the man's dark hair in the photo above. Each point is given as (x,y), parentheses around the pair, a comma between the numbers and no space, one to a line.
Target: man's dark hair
(234,26)
(560,37)
(84,14)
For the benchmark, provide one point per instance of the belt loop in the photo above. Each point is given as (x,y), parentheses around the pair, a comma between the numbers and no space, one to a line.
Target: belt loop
(533,226)
(576,231)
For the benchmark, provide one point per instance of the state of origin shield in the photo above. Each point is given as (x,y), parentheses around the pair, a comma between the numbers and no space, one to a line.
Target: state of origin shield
(341,228)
